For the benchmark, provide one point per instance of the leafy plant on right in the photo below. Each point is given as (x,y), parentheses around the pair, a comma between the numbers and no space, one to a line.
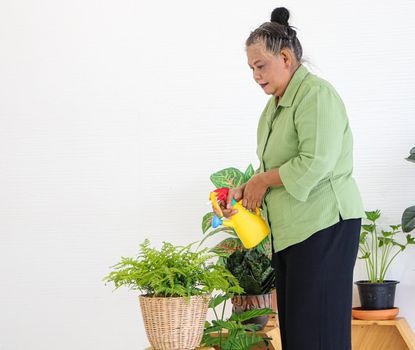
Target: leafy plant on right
(380,249)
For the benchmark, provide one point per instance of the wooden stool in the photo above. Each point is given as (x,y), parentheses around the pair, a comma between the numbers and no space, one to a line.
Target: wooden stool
(382,335)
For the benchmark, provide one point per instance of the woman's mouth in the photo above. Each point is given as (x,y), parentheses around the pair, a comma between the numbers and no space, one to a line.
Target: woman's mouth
(263,85)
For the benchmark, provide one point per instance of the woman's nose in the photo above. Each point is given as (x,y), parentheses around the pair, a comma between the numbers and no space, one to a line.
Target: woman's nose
(257,76)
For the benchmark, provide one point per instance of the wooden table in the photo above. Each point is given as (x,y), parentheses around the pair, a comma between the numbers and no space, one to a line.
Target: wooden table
(382,335)
(366,335)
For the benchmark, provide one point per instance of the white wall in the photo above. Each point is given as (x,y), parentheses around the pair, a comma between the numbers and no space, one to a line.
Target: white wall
(115,113)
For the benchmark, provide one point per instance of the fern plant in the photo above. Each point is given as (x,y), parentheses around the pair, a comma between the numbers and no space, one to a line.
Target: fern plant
(230,178)
(172,271)
(238,336)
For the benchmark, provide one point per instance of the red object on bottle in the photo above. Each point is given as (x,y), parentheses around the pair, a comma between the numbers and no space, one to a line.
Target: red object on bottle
(222,193)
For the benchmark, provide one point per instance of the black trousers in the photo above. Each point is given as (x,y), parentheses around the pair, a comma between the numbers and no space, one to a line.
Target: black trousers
(314,288)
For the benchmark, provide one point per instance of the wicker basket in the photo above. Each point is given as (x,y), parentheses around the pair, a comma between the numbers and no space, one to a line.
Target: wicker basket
(174,323)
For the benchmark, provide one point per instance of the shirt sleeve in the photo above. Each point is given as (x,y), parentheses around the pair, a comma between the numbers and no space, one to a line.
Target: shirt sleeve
(320,121)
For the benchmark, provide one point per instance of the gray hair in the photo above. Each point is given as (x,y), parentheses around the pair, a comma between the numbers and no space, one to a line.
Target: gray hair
(276,36)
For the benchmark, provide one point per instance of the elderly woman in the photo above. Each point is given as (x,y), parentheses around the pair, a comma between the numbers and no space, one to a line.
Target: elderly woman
(305,186)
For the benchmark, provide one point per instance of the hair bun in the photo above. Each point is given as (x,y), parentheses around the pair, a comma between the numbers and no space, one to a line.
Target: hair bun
(280,15)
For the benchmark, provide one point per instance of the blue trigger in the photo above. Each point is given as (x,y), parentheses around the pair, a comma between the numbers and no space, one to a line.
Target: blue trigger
(216,221)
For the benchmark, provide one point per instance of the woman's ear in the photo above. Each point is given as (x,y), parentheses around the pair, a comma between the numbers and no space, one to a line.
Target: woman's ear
(287,57)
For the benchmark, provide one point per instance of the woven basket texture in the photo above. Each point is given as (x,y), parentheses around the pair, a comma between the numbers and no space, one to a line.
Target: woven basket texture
(174,323)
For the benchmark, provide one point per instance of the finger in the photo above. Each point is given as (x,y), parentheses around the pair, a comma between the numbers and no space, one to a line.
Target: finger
(229,199)
(227,213)
(238,195)
(253,205)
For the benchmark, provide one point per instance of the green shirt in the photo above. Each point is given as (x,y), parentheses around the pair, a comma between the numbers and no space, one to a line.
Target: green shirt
(308,137)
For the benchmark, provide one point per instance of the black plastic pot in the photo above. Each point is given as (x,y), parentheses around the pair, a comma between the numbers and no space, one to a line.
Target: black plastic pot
(377,296)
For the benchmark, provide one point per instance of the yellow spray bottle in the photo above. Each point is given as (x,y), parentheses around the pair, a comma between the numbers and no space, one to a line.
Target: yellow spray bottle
(250,228)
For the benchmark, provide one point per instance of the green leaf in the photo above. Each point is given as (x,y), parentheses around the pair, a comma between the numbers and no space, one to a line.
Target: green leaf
(363,237)
(408,219)
(227,324)
(373,215)
(207,221)
(228,246)
(246,315)
(410,239)
(242,342)
(249,172)
(217,300)
(210,341)
(265,247)
(411,157)
(365,256)
(229,177)
(215,231)
(387,233)
(253,270)
(369,228)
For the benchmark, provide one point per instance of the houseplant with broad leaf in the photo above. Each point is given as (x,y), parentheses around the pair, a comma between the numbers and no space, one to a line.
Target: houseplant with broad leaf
(230,178)
(378,249)
(408,216)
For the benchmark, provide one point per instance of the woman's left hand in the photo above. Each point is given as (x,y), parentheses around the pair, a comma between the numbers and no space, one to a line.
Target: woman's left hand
(254,192)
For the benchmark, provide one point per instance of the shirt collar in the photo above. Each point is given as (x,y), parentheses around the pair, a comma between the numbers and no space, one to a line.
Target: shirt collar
(293,86)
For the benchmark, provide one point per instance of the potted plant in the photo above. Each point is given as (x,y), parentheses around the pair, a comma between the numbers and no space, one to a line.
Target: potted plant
(256,276)
(379,250)
(176,284)
(234,333)
(408,216)
(230,178)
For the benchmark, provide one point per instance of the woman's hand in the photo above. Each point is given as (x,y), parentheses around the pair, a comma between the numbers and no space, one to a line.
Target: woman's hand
(254,192)
(234,193)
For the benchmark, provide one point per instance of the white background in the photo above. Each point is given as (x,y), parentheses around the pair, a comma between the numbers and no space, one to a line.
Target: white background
(115,113)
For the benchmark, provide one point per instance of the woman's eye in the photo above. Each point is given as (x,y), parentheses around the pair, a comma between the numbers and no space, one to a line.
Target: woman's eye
(260,67)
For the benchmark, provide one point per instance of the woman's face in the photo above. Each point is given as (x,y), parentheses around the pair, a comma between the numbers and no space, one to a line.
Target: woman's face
(272,72)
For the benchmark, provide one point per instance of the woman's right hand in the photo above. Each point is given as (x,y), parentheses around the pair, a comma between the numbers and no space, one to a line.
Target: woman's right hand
(234,193)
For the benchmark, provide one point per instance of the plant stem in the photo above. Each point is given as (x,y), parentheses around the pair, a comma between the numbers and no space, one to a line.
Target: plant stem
(382,261)
(386,268)
(366,262)
(376,252)
(216,315)
(220,331)
(370,275)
